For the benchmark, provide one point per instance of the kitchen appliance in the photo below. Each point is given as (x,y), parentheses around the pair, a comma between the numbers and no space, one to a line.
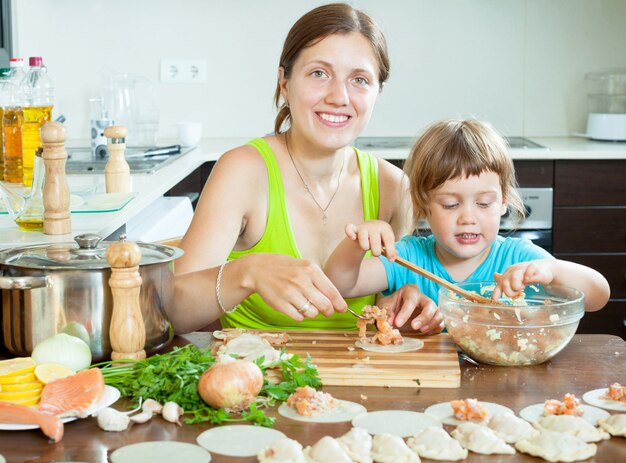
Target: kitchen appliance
(537,226)
(606,94)
(78,299)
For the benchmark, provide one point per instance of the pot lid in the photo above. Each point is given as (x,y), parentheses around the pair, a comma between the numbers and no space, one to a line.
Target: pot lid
(88,252)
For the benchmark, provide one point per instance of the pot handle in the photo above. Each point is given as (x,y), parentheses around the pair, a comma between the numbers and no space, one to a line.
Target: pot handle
(25,282)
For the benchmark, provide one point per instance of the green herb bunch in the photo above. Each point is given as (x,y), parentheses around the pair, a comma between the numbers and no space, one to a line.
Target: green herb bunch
(174,376)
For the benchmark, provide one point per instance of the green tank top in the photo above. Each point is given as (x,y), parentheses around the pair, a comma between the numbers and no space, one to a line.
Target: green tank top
(278,238)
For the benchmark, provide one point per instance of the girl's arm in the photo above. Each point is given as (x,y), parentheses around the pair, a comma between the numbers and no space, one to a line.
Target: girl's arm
(555,271)
(346,267)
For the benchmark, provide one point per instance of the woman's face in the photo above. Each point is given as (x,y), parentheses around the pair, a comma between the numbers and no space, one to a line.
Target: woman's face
(464,216)
(332,90)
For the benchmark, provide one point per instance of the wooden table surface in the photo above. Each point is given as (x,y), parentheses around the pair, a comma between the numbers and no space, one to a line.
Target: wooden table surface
(588,362)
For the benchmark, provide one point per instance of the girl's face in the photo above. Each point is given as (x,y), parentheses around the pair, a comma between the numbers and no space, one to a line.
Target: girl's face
(464,216)
(332,90)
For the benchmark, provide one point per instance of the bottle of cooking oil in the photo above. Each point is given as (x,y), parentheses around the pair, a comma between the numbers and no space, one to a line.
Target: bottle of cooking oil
(5,98)
(37,101)
(31,216)
(12,119)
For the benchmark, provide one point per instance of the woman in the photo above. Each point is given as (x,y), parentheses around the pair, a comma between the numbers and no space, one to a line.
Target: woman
(275,208)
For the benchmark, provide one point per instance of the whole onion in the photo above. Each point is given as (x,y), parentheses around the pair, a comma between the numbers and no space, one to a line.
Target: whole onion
(231,384)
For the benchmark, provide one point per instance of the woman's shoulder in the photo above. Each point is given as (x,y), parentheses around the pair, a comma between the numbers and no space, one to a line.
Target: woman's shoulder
(245,158)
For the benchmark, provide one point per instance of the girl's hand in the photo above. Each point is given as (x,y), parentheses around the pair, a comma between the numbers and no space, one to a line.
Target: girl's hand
(290,285)
(406,301)
(374,235)
(513,281)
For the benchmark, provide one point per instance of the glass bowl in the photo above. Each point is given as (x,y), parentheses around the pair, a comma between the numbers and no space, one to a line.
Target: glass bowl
(529,331)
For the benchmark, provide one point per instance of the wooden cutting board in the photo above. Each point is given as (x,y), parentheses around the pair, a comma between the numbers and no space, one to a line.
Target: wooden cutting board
(435,365)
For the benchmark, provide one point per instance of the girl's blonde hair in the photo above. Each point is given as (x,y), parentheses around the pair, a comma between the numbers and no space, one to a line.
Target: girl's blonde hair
(456,148)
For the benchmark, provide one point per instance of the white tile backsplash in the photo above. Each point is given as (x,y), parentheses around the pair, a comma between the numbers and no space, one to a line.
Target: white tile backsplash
(519,64)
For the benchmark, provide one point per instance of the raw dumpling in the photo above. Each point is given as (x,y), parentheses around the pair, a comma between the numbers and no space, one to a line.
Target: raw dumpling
(358,444)
(326,449)
(614,425)
(481,439)
(435,443)
(555,446)
(250,347)
(283,451)
(511,428)
(387,448)
(572,425)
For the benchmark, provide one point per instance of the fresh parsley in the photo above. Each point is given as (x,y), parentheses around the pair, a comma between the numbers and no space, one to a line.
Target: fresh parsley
(174,376)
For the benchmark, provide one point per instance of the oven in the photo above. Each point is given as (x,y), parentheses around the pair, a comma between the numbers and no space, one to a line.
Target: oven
(537,226)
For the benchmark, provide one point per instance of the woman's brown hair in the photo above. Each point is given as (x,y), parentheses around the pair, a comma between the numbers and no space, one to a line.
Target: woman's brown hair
(456,148)
(316,25)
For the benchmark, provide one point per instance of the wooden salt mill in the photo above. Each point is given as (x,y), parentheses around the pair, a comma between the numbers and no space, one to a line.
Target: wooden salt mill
(116,170)
(127,331)
(56,193)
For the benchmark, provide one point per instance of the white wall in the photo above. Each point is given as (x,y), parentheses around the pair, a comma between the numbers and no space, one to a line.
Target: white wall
(519,63)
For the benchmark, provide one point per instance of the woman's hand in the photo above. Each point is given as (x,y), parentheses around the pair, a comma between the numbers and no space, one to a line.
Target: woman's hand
(408,300)
(515,278)
(295,287)
(374,235)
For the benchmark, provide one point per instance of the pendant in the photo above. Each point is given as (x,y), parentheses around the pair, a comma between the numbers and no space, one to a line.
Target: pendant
(324,218)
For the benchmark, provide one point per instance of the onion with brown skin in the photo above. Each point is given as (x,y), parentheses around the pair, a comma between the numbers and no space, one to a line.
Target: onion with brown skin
(231,384)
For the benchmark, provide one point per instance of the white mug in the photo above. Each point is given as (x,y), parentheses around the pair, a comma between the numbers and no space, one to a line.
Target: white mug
(189,133)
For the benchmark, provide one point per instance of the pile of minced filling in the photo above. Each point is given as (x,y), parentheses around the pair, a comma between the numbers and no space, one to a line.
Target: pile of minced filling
(516,344)
(309,402)
(385,334)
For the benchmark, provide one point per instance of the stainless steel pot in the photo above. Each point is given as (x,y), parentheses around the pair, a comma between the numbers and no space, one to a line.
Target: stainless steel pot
(64,287)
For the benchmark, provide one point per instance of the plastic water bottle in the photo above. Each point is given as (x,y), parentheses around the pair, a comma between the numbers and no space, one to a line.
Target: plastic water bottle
(37,100)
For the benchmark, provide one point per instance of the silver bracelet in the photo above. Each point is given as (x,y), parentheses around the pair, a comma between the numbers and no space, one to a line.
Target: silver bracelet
(217,290)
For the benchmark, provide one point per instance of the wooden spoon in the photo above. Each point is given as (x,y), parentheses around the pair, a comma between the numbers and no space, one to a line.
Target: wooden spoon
(469,295)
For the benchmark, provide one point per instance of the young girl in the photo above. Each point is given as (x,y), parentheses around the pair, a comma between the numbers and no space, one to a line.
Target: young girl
(462,181)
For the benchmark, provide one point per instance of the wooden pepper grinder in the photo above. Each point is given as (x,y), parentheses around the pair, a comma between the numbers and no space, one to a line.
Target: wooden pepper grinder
(116,170)
(127,331)
(56,193)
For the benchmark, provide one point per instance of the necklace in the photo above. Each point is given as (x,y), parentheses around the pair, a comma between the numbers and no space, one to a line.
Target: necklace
(308,190)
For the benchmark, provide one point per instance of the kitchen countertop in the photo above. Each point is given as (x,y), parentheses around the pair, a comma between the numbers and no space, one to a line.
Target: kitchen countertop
(588,362)
(149,187)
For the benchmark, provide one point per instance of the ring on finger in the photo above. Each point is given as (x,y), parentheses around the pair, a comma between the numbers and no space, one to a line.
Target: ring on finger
(305,307)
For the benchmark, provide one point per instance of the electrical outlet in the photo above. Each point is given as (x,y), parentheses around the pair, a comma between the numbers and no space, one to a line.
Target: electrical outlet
(183,71)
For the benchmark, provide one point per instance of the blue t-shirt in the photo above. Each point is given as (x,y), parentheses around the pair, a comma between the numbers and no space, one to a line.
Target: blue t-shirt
(420,250)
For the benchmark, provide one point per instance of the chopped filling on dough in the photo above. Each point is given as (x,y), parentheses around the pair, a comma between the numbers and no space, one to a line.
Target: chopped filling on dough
(385,334)
(615,392)
(309,402)
(468,409)
(569,406)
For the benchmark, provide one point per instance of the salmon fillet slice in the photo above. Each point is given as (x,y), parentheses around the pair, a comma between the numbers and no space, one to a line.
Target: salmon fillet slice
(50,425)
(73,395)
